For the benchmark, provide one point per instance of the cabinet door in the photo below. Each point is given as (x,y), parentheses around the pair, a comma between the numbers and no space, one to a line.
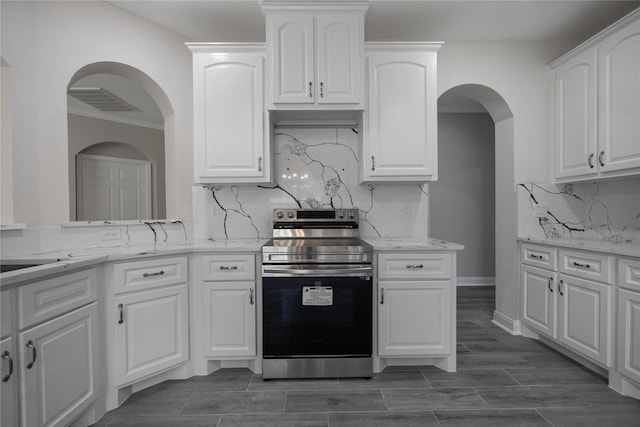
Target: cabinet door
(629,334)
(152,332)
(231,145)
(400,123)
(619,99)
(339,59)
(575,116)
(291,40)
(584,317)
(413,318)
(230,319)
(539,299)
(9,384)
(58,370)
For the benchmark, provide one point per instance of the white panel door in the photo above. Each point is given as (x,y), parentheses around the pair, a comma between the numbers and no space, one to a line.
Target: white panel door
(9,383)
(629,334)
(539,299)
(619,99)
(230,319)
(340,47)
(401,120)
(585,317)
(152,332)
(110,188)
(413,318)
(58,371)
(291,38)
(575,115)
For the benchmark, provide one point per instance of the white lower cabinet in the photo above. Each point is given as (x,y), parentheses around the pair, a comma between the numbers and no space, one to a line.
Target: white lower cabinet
(539,300)
(9,383)
(230,322)
(584,313)
(413,318)
(57,369)
(629,334)
(151,332)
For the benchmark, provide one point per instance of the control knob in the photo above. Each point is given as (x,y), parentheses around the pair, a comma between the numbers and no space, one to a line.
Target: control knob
(291,214)
(351,215)
(279,214)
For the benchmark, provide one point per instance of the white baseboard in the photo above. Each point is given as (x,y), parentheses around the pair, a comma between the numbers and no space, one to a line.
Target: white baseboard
(508,324)
(476,281)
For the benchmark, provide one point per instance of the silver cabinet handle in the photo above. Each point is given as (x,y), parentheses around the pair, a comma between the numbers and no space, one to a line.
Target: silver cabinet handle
(601,158)
(535,256)
(578,264)
(414,266)
(121,310)
(7,356)
(259,164)
(590,160)
(550,284)
(381,296)
(321,90)
(224,267)
(560,287)
(373,163)
(251,296)
(34,354)
(310,90)
(157,273)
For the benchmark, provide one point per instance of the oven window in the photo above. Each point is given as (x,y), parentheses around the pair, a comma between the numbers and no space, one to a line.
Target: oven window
(334,321)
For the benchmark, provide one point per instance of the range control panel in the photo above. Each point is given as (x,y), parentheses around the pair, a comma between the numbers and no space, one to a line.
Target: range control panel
(311,215)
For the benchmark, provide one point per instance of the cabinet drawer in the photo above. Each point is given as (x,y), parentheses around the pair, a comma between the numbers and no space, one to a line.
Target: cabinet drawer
(539,256)
(414,266)
(46,299)
(229,267)
(149,273)
(586,264)
(629,273)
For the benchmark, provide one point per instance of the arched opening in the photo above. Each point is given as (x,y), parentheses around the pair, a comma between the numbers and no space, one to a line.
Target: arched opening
(469,171)
(147,128)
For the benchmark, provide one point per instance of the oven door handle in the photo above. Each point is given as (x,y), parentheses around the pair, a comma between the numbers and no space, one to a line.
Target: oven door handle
(363,271)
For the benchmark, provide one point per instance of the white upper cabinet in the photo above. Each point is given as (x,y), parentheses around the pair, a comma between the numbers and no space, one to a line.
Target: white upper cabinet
(597,106)
(315,57)
(619,99)
(399,142)
(231,128)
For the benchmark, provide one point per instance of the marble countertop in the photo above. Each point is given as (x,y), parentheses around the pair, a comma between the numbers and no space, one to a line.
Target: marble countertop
(59,261)
(631,249)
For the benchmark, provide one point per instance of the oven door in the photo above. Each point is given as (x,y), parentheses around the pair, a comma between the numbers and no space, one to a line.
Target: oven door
(314,316)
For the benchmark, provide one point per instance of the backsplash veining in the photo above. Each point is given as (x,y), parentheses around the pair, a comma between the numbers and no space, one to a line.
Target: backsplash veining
(313,168)
(608,210)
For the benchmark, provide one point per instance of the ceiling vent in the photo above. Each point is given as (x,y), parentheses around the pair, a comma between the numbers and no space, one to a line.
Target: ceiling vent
(100,98)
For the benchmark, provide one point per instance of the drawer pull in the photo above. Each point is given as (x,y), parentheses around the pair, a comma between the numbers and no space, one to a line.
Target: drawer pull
(550,284)
(7,356)
(224,267)
(578,264)
(536,256)
(121,310)
(590,160)
(560,287)
(251,296)
(414,266)
(34,354)
(381,296)
(601,158)
(157,273)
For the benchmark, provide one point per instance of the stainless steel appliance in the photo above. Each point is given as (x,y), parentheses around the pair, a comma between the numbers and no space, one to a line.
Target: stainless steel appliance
(317,296)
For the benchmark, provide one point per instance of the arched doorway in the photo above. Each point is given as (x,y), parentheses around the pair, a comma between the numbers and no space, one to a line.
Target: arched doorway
(505,253)
(152,140)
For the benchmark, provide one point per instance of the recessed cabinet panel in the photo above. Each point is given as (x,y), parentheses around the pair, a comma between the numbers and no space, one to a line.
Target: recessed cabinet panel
(539,299)
(629,334)
(629,273)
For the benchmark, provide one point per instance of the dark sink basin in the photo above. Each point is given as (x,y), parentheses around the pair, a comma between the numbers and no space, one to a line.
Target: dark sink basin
(18,264)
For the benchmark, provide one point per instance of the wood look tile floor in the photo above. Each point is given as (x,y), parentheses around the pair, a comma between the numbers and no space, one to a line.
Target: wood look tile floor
(502,380)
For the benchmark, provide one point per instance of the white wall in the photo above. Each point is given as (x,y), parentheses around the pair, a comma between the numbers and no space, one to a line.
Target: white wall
(45,44)
(6,149)
(462,202)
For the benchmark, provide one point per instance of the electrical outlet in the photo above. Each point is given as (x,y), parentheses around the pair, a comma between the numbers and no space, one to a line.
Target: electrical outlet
(540,211)
(405,211)
(110,234)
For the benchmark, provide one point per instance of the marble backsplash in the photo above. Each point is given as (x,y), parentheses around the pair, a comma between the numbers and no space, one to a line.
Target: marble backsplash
(607,210)
(313,168)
